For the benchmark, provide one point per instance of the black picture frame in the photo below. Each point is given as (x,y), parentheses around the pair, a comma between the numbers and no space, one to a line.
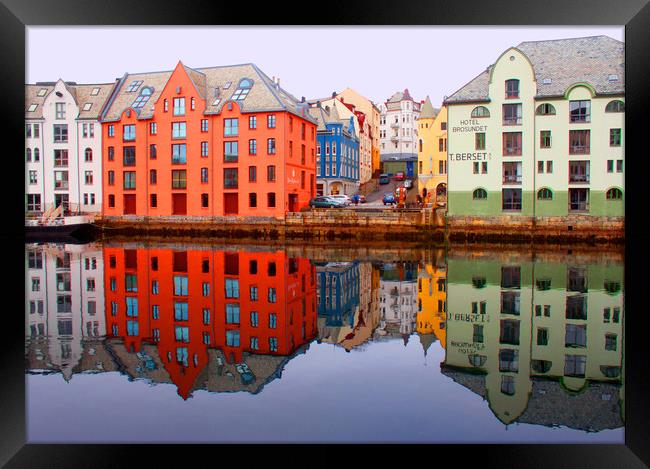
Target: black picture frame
(634,14)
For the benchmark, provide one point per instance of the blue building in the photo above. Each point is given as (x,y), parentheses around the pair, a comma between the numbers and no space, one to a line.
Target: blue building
(337,290)
(337,152)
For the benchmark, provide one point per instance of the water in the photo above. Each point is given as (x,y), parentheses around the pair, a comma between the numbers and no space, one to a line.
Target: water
(134,343)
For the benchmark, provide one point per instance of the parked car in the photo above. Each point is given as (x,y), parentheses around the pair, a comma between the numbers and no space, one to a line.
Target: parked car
(384,179)
(389,198)
(362,199)
(408,184)
(399,176)
(324,202)
(342,198)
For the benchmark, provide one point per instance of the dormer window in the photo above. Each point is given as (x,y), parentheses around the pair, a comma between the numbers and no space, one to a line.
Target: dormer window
(32,107)
(547,81)
(613,77)
(87,106)
(216,102)
(42,92)
(512,89)
(134,86)
(94,92)
(142,99)
(242,90)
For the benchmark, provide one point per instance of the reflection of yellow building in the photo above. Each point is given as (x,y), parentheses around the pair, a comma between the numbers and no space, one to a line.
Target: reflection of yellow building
(541,341)
(432,152)
(432,301)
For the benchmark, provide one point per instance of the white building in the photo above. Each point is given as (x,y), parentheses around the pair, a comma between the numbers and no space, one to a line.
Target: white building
(398,128)
(63,146)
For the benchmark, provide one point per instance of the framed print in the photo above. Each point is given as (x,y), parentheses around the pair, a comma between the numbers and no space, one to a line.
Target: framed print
(411,230)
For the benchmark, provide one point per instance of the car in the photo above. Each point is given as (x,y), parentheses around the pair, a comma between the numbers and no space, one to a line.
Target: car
(362,199)
(324,202)
(408,184)
(384,179)
(389,198)
(342,198)
(399,176)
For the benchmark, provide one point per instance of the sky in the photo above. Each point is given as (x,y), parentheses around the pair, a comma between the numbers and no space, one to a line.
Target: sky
(310,61)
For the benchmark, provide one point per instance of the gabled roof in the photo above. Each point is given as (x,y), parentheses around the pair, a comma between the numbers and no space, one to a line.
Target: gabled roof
(82,95)
(216,85)
(428,111)
(560,63)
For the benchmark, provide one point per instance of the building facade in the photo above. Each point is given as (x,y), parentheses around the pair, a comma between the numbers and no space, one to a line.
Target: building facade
(432,153)
(63,147)
(529,139)
(220,141)
(398,133)
(337,152)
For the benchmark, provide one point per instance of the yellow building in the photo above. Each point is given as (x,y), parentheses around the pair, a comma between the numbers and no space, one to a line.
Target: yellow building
(432,301)
(432,152)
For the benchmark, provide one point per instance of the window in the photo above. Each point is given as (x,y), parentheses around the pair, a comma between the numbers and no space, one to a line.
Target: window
(230,178)
(88,155)
(61,180)
(579,111)
(512,172)
(545,110)
(231,127)
(204,175)
(154,287)
(512,144)
(512,89)
(540,167)
(507,385)
(60,110)
(111,200)
(270,146)
(179,153)
(549,167)
(480,111)
(270,121)
(132,306)
(179,179)
(232,288)
(142,98)
(180,311)
(576,335)
(511,199)
(179,106)
(270,199)
(252,267)
(273,321)
(133,86)
(579,142)
(545,139)
(153,200)
(153,177)
(252,122)
(478,334)
(544,194)
(182,333)
(32,177)
(479,194)
(511,114)
(614,137)
(270,173)
(610,166)
(60,133)
(232,313)
(179,130)
(232,338)
(579,171)
(129,179)
(34,202)
(614,194)
(111,130)
(272,295)
(252,200)
(192,103)
(510,277)
(165,106)
(576,307)
(508,360)
(128,133)
(204,125)
(205,200)
(619,166)
(128,156)
(180,285)
(479,141)
(181,356)
(615,106)
(111,153)
(542,336)
(273,344)
(510,302)
(206,316)
(230,151)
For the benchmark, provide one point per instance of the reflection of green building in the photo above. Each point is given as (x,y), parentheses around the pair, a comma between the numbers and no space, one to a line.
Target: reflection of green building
(539,340)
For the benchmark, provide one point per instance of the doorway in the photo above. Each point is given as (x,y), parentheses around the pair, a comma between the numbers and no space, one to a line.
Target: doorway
(129,204)
(230,204)
(293,202)
(179,204)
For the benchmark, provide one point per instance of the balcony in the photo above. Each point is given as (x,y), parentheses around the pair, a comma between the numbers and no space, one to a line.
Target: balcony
(512,151)
(512,121)
(512,178)
(578,206)
(579,150)
(579,178)
(394,138)
(394,125)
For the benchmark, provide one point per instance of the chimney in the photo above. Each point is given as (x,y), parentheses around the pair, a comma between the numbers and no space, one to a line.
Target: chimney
(333,94)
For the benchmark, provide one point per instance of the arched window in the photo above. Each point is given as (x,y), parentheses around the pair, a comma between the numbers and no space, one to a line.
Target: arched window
(614,194)
(477,360)
(88,154)
(615,106)
(512,89)
(480,111)
(143,97)
(479,194)
(610,371)
(29,154)
(545,109)
(544,194)
(541,366)
(479,282)
(244,87)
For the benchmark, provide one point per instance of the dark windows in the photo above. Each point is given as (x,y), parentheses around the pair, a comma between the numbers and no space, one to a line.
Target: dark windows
(252,122)
(575,365)
(512,114)
(545,110)
(204,200)
(270,121)
(510,302)
(230,178)
(480,111)
(614,137)
(614,194)
(580,111)
(544,194)
(615,106)
(270,199)
(579,142)
(252,147)
(512,145)
(545,139)
(230,127)
(511,199)
(270,173)
(479,141)
(129,179)
(153,200)
(111,153)
(129,156)
(252,200)
(512,89)
(179,153)
(204,175)
(510,277)
(576,335)
(60,158)
(230,151)
(542,336)
(153,177)
(512,172)
(152,151)
(508,360)
(270,146)
(60,133)
(579,171)
(252,173)
(576,307)
(577,279)
(479,194)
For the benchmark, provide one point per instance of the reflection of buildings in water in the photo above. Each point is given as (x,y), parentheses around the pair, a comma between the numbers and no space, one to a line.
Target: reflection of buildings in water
(64,304)
(196,318)
(338,295)
(432,303)
(542,341)
(398,300)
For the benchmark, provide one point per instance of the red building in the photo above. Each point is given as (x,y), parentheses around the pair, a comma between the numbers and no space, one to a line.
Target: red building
(217,141)
(187,302)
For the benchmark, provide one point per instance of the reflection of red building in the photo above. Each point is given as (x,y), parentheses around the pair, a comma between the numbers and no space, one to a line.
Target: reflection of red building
(189,301)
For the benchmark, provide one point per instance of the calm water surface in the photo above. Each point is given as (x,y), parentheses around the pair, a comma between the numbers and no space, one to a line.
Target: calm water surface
(171,343)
